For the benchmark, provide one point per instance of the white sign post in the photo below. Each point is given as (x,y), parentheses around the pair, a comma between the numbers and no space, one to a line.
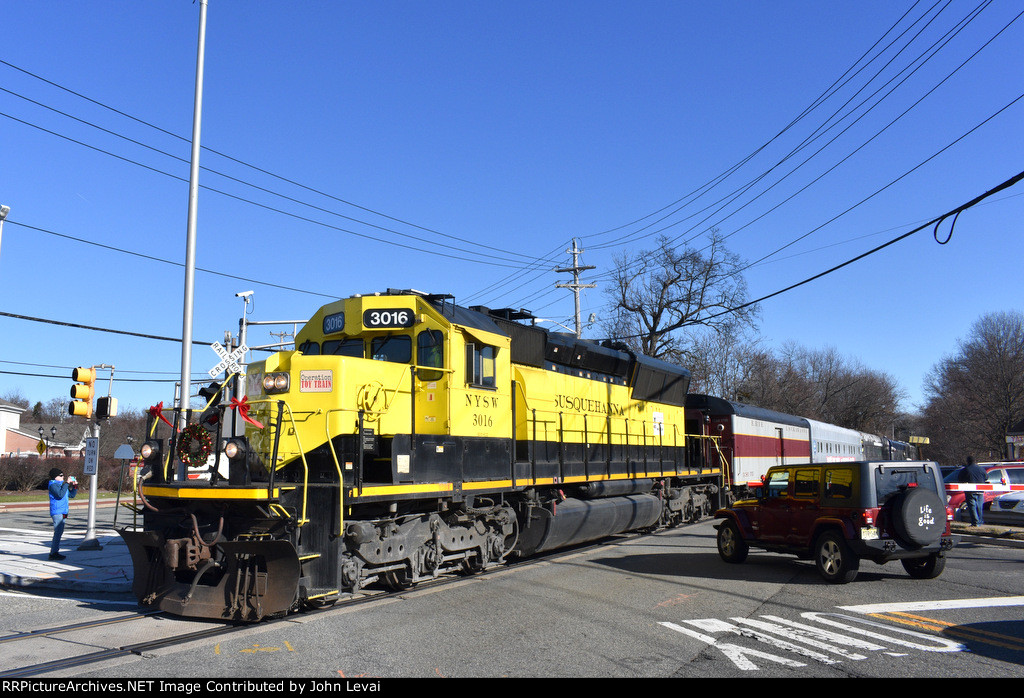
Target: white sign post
(92,455)
(92,459)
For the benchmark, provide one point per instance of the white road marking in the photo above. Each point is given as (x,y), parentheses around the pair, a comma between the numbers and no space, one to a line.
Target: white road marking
(854,632)
(905,606)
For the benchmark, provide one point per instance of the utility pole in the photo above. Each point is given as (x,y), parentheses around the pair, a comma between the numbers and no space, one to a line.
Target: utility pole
(190,243)
(575,286)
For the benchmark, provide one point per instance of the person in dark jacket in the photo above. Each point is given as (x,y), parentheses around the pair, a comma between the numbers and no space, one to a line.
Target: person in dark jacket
(60,493)
(974,474)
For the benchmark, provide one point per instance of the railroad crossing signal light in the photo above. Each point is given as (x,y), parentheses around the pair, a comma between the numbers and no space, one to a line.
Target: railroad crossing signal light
(82,392)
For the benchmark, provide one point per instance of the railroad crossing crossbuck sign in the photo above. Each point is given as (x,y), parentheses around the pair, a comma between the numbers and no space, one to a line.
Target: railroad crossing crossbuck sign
(228,361)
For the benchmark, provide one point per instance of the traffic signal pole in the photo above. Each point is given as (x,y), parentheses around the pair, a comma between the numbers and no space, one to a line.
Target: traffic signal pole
(92,455)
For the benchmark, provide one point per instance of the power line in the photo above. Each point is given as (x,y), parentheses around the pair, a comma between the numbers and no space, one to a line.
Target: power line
(99,329)
(933,222)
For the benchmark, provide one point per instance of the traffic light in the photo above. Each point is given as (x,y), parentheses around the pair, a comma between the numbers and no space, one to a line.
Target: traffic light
(82,392)
(106,407)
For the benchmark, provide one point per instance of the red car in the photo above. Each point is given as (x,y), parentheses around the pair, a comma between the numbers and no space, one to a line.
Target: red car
(998,474)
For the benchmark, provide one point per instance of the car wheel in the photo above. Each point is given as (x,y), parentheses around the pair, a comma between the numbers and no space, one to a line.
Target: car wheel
(928,567)
(919,517)
(731,546)
(835,561)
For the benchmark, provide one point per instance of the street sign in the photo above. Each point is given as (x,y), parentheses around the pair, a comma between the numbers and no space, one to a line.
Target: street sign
(228,361)
(41,446)
(92,455)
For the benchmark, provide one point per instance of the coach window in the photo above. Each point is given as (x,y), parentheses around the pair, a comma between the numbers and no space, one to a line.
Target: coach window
(395,348)
(481,365)
(806,483)
(430,353)
(309,348)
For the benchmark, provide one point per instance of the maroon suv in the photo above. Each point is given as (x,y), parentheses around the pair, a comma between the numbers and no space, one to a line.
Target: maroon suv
(841,513)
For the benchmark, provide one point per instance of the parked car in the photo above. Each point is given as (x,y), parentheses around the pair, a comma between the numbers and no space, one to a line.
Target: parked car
(1007,509)
(840,513)
(1005,473)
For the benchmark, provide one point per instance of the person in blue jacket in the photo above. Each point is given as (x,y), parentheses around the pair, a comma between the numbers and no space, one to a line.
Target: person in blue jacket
(60,493)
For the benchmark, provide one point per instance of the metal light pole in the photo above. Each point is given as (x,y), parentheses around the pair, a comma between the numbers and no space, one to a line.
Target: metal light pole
(193,200)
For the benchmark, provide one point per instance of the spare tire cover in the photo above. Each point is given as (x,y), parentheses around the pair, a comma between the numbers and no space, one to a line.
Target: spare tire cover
(919,517)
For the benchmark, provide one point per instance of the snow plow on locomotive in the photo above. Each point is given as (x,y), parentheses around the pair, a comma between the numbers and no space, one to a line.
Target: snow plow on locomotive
(403,438)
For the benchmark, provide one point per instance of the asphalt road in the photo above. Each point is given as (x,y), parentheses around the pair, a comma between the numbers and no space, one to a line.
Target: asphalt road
(660,606)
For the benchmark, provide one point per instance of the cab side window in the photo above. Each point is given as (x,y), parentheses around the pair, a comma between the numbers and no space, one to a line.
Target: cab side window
(481,365)
(430,353)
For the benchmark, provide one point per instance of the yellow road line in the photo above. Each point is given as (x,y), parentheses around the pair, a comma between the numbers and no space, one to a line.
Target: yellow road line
(953,629)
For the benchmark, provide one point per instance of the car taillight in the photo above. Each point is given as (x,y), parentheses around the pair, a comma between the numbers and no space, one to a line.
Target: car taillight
(868,517)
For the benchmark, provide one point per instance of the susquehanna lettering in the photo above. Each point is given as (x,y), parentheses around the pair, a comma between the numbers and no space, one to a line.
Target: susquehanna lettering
(583,404)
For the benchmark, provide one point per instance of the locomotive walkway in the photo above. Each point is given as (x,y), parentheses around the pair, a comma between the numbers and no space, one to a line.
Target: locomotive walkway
(24,556)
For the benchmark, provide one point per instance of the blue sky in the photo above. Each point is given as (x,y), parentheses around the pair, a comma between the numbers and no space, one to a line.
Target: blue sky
(459,147)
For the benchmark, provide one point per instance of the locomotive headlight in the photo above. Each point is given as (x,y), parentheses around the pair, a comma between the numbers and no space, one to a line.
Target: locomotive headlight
(150,451)
(234,448)
(275,382)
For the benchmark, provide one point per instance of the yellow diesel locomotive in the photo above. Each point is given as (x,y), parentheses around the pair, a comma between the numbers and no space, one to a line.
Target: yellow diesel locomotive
(405,437)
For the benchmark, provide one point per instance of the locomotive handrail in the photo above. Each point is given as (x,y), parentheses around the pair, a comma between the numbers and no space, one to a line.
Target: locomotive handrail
(337,464)
(282,406)
(553,422)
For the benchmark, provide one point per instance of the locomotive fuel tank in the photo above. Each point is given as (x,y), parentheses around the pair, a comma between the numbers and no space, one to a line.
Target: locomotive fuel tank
(574,521)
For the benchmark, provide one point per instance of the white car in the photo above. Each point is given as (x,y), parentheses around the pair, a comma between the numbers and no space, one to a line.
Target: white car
(1007,509)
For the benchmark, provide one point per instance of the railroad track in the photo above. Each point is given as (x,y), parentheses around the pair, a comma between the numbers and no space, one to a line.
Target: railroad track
(226,629)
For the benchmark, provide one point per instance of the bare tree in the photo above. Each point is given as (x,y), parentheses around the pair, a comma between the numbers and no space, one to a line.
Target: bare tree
(663,298)
(977,394)
(823,385)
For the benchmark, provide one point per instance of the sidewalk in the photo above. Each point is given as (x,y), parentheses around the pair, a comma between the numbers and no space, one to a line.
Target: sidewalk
(24,553)
(24,562)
